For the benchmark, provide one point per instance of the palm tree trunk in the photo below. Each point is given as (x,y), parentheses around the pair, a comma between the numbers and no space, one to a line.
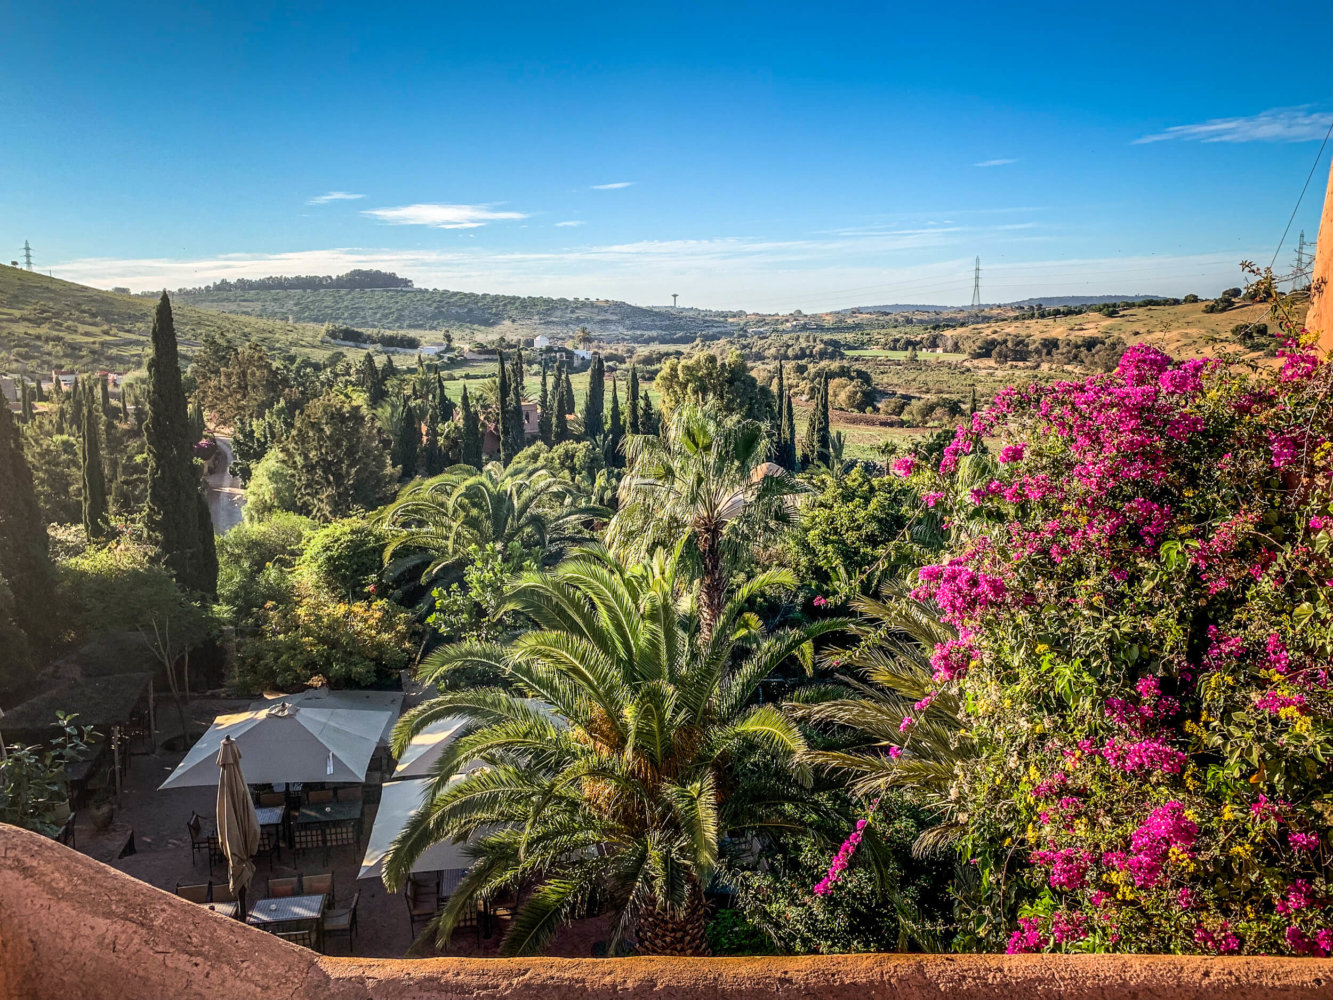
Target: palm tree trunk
(713,585)
(681,936)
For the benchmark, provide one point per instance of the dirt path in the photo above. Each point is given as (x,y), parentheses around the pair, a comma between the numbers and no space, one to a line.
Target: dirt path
(226,495)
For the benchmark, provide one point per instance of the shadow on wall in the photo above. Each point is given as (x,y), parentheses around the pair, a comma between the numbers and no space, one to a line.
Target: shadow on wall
(71,927)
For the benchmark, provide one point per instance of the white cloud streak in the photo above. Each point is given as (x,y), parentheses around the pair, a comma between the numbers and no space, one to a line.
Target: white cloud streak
(441,216)
(569,223)
(994,163)
(329,196)
(615,186)
(1299,124)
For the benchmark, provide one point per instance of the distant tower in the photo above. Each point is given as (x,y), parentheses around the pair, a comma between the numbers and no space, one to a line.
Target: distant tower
(1298,275)
(27,255)
(976,285)
(673,294)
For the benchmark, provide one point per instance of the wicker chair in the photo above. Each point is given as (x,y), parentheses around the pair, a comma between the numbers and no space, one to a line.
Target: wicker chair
(343,922)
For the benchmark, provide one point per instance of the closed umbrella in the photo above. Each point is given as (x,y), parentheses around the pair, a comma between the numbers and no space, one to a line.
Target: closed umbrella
(238,826)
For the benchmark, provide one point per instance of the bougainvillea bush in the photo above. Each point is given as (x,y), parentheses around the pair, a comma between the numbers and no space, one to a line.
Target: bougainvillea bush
(1141,578)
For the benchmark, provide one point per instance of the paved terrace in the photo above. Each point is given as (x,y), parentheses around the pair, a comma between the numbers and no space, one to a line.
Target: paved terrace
(71,927)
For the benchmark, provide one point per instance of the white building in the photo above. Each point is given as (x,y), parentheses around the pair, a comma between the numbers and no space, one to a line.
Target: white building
(582,355)
(540,341)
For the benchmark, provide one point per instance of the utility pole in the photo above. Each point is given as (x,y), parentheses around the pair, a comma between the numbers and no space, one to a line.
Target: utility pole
(27,255)
(1298,275)
(976,285)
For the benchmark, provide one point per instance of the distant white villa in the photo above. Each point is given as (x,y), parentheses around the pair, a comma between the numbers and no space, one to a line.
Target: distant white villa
(540,341)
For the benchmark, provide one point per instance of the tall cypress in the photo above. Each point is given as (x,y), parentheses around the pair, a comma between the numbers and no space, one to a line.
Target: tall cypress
(647,419)
(38,395)
(26,412)
(25,564)
(615,426)
(517,429)
(408,439)
(208,551)
(632,402)
(173,487)
(370,379)
(105,400)
(471,443)
(544,410)
(94,479)
(779,419)
(790,445)
(505,413)
(594,423)
(560,423)
(816,449)
(431,461)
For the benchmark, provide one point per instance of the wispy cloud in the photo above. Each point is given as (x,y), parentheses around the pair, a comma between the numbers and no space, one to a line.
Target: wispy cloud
(329,196)
(1298,124)
(994,163)
(570,223)
(614,186)
(442,216)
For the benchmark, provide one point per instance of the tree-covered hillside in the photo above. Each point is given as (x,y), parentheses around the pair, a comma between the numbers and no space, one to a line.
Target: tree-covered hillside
(440,309)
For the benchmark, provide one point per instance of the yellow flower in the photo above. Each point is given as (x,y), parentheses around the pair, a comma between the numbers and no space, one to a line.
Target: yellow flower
(1228,812)
(1042,647)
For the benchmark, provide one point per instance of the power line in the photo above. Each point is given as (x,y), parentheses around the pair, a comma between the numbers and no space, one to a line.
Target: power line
(1305,187)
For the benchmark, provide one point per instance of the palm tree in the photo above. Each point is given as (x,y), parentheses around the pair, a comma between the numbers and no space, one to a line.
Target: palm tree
(707,480)
(616,781)
(892,673)
(435,521)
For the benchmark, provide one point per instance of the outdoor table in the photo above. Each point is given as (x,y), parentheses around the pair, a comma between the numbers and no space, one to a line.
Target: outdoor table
(226,909)
(330,812)
(270,815)
(286,909)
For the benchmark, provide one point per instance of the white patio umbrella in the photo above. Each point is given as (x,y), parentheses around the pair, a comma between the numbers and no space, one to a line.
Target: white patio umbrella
(426,747)
(371,701)
(287,743)
(398,802)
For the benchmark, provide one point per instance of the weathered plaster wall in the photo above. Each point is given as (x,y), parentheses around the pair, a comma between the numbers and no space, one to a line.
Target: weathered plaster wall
(74,929)
(1320,316)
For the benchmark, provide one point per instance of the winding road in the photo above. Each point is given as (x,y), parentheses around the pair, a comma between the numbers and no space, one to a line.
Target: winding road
(226,495)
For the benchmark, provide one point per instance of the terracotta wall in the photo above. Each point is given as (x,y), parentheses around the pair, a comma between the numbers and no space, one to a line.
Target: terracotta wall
(1321,302)
(74,929)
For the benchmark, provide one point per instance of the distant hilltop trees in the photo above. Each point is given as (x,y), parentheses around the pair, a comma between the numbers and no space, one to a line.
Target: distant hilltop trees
(358,278)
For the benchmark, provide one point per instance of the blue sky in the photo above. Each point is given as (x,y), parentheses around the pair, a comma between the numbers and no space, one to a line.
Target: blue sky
(763,156)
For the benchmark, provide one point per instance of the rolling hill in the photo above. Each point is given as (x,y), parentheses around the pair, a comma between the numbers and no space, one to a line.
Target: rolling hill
(47,323)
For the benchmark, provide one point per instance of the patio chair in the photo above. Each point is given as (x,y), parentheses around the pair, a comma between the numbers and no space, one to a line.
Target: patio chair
(307,837)
(305,937)
(319,796)
(198,842)
(215,854)
(222,893)
(280,887)
(343,922)
(66,834)
(196,893)
(349,793)
(266,800)
(341,835)
(270,844)
(314,885)
(423,902)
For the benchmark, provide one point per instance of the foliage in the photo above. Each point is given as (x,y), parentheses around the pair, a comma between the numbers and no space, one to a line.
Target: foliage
(858,530)
(726,382)
(349,643)
(577,461)
(622,789)
(338,459)
(255,561)
(438,521)
(1138,581)
(235,385)
(272,490)
(343,559)
(705,484)
(34,788)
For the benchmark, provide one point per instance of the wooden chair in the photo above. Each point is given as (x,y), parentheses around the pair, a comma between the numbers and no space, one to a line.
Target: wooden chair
(322,883)
(222,893)
(266,800)
(320,796)
(282,887)
(343,922)
(270,844)
(423,902)
(196,893)
(349,793)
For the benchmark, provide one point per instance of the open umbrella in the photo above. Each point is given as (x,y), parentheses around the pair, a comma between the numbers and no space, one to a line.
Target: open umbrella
(238,826)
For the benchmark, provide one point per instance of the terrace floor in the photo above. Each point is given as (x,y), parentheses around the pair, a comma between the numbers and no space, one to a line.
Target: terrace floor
(163,859)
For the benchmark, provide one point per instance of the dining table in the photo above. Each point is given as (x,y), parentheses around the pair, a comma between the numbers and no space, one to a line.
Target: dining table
(273,912)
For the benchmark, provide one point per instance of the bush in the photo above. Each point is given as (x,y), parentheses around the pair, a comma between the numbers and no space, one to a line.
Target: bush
(1140,585)
(272,489)
(344,559)
(255,559)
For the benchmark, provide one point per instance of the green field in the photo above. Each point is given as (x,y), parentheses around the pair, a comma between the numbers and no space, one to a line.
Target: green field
(879,352)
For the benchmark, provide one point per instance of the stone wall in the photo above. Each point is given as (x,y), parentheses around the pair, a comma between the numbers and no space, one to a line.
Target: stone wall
(74,929)
(1321,301)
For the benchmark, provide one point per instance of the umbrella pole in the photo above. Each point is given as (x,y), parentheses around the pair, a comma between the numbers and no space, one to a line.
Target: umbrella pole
(115,755)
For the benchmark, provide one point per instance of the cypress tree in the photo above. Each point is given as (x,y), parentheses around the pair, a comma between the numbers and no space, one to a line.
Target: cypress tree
(430,462)
(106,397)
(632,420)
(471,442)
(173,517)
(409,439)
(387,371)
(560,426)
(39,396)
(26,413)
(208,550)
(25,564)
(647,419)
(58,390)
(517,428)
(972,406)
(94,479)
(816,449)
(568,394)
(615,426)
(789,448)
(779,419)
(196,421)
(369,378)
(594,423)
(544,410)
(505,413)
